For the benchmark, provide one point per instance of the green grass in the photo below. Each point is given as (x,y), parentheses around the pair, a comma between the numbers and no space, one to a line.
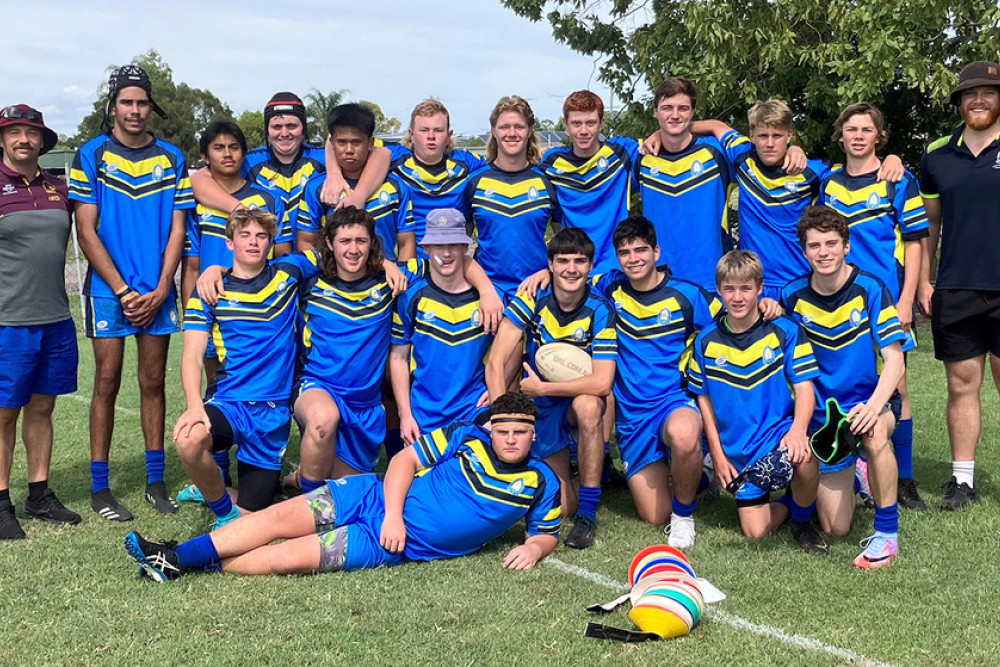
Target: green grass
(71,596)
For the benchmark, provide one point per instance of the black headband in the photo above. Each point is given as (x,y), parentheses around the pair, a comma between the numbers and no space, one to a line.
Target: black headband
(512,420)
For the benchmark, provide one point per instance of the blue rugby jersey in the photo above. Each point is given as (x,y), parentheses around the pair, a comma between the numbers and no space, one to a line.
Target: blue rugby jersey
(262,167)
(136,191)
(206,226)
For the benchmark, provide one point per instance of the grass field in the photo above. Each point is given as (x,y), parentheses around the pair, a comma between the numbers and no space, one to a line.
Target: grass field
(72,596)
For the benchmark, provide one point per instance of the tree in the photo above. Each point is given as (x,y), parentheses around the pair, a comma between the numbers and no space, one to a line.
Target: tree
(188,109)
(318,105)
(383,124)
(817,55)
(546,125)
(252,124)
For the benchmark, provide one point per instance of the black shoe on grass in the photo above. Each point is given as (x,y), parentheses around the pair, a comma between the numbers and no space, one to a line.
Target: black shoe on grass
(48,508)
(157,559)
(809,538)
(157,496)
(582,534)
(104,503)
(10,529)
(908,496)
(957,496)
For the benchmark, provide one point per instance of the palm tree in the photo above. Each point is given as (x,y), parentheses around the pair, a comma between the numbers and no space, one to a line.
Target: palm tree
(318,104)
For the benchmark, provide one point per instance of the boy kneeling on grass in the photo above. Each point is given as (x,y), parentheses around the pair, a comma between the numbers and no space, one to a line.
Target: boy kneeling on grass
(447,495)
(753,380)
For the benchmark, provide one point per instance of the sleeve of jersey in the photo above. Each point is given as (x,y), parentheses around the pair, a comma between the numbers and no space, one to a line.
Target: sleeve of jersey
(603,281)
(438,445)
(415,269)
(884,317)
(397,151)
(520,311)
(405,221)
(192,235)
(910,209)
(183,194)
(630,145)
(198,316)
(555,211)
(310,208)
(401,325)
(286,230)
(545,513)
(306,264)
(928,188)
(706,308)
(472,161)
(695,374)
(734,145)
(606,340)
(800,362)
(82,177)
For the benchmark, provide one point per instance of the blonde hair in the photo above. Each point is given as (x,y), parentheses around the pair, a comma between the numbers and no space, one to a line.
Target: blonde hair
(429,107)
(772,113)
(245,217)
(520,106)
(739,266)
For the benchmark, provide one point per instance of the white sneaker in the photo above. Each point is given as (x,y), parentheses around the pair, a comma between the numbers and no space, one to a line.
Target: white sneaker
(681,532)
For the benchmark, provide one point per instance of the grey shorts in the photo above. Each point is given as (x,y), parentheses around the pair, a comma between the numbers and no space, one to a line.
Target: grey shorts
(332,539)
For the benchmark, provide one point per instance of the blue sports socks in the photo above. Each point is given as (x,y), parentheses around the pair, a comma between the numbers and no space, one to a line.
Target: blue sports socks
(156,463)
(887,519)
(683,509)
(309,484)
(902,443)
(99,476)
(198,553)
(221,507)
(590,496)
(222,460)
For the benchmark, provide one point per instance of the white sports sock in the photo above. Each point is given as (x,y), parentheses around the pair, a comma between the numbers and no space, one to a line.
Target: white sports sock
(963,471)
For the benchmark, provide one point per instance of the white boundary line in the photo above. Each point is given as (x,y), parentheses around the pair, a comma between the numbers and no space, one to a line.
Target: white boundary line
(720,616)
(86,399)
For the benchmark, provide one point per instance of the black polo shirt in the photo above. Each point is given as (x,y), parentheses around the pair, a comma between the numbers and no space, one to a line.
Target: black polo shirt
(968,188)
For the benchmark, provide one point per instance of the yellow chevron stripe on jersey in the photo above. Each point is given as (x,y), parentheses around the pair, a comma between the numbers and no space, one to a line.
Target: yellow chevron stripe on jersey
(682,165)
(480,480)
(743,381)
(449,314)
(550,322)
(642,310)
(752,354)
(831,319)
(137,169)
(861,195)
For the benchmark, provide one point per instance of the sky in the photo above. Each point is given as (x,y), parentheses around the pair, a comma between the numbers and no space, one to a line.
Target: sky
(467,53)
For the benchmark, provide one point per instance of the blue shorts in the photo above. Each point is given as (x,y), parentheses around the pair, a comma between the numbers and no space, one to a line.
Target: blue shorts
(895,406)
(552,429)
(106,319)
(359,506)
(37,359)
(640,433)
(360,432)
(260,430)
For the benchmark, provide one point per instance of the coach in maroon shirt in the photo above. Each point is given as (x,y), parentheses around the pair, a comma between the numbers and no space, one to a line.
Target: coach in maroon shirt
(37,334)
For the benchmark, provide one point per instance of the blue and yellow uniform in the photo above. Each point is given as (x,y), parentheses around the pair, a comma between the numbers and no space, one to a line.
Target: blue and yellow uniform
(511,211)
(748,376)
(847,330)
(463,497)
(253,328)
(448,349)
(206,226)
(595,193)
(389,205)
(434,186)
(590,326)
(684,196)
(655,329)
(262,167)
(882,216)
(345,345)
(771,204)
(136,191)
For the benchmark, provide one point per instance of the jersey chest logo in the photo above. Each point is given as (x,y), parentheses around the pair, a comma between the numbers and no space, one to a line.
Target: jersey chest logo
(602,164)
(516,487)
(579,335)
(792,186)
(532,193)
(697,169)
(767,356)
(664,317)
(873,201)
(721,361)
(477,318)
(855,318)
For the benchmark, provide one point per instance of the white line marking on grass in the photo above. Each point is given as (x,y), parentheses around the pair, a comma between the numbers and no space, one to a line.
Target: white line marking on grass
(720,616)
(86,399)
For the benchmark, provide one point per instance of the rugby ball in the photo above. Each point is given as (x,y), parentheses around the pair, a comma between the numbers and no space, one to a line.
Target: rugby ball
(559,362)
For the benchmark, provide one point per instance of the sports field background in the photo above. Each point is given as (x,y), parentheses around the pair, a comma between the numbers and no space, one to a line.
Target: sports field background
(71,596)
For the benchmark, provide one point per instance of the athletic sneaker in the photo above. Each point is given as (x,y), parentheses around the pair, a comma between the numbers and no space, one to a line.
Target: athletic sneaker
(957,496)
(879,550)
(48,508)
(157,496)
(908,496)
(157,559)
(612,477)
(865,489)
(221,521)
(10,529)
(582,534)
(190,494)
(681,531)
(809,538)
(104,503)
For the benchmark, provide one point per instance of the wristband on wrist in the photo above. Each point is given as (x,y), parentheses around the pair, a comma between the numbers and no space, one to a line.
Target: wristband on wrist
(124,293)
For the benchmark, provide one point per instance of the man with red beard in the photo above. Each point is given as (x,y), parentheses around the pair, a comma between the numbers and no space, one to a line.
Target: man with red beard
(960,186)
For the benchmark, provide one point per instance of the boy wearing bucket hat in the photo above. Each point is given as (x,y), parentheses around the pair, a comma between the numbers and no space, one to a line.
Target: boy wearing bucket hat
(438,338)
(960,185)
(131,191)
(850,319)
(37,334)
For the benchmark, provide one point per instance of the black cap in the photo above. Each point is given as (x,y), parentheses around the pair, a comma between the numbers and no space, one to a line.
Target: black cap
(284,104)
(973,75)
(128,76)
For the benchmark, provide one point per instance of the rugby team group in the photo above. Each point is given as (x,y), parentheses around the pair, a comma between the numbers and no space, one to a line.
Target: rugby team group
(333,286)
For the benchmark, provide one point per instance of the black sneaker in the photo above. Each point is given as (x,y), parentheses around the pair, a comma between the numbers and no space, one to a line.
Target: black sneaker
(105,504)
(582,534)
(157,496)
(908,496)
(157,559)
(809,538)
(957,496)
(48,508)
(612,477)
(10,529)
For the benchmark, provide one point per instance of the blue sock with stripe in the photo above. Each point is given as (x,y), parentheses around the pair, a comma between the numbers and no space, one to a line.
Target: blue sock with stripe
(222,460)
(99,475)
(221,507)
(309,484)
(683,509)
(887,519)
(590,496)
(156,463)
(198,553)
(902,443)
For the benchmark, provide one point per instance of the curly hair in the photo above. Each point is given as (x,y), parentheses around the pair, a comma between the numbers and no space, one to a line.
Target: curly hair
(520,106)
(514,403)
(346,217)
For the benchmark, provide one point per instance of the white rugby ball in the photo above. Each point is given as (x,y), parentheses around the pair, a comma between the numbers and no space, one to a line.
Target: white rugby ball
(559,362)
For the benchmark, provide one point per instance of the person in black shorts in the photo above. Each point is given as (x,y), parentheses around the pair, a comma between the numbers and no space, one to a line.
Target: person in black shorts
(960,185)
